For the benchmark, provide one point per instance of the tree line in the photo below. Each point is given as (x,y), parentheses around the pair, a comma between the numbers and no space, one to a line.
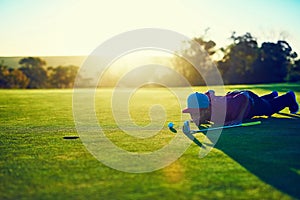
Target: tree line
(34,74)
(244,61)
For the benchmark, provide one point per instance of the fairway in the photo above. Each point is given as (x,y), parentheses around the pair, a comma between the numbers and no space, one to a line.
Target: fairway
(36,162)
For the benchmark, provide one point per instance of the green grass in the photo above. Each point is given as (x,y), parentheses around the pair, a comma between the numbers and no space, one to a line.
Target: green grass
(257,162)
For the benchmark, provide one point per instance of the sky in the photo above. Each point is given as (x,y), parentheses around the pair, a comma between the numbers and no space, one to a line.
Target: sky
(77,27)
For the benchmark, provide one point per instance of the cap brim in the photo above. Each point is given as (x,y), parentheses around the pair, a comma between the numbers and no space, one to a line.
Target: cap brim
(186,110)
(189,110)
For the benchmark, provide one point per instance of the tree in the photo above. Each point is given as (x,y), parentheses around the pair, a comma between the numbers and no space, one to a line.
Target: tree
(62,76)
(3,75)
(245,62)
(12,78)
(294,72)
(199,56)
(274,62)
(237,63)
(17,79)
(33,68)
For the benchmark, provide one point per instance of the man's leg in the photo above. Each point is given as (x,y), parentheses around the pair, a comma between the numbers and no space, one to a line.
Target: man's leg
(286,100)
(270,96)
(260,106)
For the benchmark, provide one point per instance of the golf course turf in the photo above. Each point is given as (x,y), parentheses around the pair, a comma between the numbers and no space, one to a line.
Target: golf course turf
(37,162)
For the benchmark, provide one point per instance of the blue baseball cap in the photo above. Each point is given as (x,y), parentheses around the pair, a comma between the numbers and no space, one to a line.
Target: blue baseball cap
(196,101)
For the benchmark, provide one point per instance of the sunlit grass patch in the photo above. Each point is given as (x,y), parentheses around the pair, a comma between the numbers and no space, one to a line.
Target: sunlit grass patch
(36,162)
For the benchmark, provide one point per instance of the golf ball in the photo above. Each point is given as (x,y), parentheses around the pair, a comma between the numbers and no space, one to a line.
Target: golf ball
(170,125)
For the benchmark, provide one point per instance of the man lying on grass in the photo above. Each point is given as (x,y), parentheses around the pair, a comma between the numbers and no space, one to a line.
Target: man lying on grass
(240,105)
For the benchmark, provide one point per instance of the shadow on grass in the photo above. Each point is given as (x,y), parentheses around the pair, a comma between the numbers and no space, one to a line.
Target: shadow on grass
(270,151)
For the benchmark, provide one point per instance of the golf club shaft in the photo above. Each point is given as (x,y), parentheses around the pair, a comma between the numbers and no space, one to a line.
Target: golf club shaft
(223,127)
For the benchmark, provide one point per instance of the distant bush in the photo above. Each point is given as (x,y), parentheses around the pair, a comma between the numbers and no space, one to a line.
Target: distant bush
(33,73)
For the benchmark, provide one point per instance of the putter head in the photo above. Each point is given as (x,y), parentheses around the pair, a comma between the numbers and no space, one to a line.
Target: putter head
(186,127)
(186,130)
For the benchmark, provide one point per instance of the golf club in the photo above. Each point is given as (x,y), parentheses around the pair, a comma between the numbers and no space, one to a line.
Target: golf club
(186,127)
(186,130)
